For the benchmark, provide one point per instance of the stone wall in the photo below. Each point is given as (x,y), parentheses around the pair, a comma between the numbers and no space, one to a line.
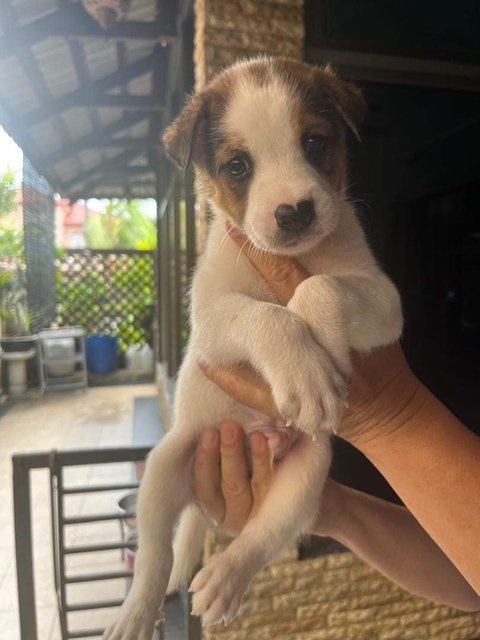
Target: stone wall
(226,31)
(337,597)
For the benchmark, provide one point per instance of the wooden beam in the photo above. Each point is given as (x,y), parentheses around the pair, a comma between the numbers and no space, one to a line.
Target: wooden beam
(106,142)
(85,142)
(375,67)
(126,102)
(8,22)
(119,161)
(73,99)
(71,21)
(127,172)
(83,72)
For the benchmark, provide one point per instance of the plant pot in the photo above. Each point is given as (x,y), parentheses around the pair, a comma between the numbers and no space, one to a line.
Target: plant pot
(18,343)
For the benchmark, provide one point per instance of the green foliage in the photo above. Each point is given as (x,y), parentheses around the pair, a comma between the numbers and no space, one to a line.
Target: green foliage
(7,193)
(107,293)
(123,224)
(13,286)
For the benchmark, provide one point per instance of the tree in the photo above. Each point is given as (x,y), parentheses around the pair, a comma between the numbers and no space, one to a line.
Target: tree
(123,224)
(13,292)
(7,193)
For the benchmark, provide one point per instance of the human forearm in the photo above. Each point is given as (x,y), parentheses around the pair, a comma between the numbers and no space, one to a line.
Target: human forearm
(387,537)
(432,462)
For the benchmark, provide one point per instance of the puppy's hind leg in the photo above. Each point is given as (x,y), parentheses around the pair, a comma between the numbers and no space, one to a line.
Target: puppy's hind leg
(187,546)
(164,492)
(289,510)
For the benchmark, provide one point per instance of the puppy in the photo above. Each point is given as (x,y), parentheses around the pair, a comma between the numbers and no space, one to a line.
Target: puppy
(267,138)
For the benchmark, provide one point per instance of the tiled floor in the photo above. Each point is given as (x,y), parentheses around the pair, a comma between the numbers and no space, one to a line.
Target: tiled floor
(97,417)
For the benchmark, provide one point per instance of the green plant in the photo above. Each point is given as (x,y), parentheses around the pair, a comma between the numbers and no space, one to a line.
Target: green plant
(123,224)
(108,293)
(13,287)
(7,193)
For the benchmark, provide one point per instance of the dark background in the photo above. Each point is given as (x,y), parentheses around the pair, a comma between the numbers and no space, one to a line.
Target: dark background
(416,177)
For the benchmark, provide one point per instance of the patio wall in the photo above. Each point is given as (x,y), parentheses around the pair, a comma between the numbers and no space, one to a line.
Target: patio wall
(337,597)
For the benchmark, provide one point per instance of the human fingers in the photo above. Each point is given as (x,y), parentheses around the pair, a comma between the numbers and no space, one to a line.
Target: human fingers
(262,470)
(207,477)
(281,273)
(235,480)
(243,384)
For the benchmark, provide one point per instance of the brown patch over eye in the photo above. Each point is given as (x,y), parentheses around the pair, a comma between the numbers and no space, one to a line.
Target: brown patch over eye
(322,142)
(230,180)
(230,195)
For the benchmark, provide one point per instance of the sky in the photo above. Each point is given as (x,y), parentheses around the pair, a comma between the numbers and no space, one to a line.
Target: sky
(11,156)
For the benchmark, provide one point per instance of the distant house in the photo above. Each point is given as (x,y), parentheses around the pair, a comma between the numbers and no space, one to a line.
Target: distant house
(70,222)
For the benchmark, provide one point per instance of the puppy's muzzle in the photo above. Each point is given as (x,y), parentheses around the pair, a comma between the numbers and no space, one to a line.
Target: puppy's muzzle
(295,218)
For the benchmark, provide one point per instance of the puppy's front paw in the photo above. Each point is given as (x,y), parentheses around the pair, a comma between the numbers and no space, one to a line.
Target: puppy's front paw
(218,590)
(136,621)
(311,393)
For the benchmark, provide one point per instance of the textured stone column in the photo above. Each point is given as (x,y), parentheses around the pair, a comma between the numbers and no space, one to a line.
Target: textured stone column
(228,30)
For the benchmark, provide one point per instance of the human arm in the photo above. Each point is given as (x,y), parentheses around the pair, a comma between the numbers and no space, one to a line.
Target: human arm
(388,538)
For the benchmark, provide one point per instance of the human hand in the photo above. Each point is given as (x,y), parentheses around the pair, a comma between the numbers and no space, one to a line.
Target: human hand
(223,486)
(384,393)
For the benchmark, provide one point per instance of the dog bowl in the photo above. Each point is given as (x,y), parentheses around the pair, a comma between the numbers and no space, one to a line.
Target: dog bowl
(127,504)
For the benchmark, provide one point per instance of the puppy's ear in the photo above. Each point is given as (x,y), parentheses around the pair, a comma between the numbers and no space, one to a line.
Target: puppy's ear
(184,138)
(347,99)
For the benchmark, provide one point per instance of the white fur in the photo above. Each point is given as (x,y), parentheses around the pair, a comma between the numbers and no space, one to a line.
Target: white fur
(263,118)
(302,351)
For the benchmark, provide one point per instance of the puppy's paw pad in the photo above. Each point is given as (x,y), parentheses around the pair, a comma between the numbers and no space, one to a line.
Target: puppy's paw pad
(218,590)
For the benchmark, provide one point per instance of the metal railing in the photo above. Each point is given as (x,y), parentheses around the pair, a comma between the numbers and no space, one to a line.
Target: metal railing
(56,462)
(176,260)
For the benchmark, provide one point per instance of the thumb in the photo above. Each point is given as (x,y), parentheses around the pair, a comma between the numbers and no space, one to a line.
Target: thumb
(282,274)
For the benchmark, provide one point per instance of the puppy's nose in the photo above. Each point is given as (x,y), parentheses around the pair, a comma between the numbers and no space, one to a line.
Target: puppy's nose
(290,218)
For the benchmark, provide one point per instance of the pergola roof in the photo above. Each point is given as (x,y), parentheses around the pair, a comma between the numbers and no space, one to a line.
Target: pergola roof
(86,104)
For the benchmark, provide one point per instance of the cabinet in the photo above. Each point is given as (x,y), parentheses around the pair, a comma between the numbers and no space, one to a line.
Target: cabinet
(62,358)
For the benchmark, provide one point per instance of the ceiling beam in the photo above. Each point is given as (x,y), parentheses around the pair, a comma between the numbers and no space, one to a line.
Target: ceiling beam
(119,161)
(392,69)
(127,172)
(106,142)
(71,21)
(74,99)
(126,102)
(85,142)
(8,22)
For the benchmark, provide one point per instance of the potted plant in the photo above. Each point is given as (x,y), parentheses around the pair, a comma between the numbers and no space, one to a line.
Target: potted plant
(14,318)
(15,333)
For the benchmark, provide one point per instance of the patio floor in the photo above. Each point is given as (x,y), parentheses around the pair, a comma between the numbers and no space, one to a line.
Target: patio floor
(96,417)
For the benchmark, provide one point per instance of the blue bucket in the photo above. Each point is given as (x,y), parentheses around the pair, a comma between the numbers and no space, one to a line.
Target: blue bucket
(102,354)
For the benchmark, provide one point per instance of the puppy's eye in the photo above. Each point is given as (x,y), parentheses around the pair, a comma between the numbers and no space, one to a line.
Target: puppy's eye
(238,167)
(314,144)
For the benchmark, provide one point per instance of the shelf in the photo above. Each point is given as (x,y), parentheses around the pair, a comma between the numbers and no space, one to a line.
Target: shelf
(78,357)
(59,334)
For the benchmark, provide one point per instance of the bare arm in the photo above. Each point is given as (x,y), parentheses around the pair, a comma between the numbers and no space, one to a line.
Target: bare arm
(433,462)
(387,537)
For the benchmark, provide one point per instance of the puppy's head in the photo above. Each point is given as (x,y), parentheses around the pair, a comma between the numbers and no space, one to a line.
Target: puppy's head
(267,139)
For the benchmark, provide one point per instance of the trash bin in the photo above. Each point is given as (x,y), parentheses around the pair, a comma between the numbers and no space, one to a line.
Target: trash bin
(102,354)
